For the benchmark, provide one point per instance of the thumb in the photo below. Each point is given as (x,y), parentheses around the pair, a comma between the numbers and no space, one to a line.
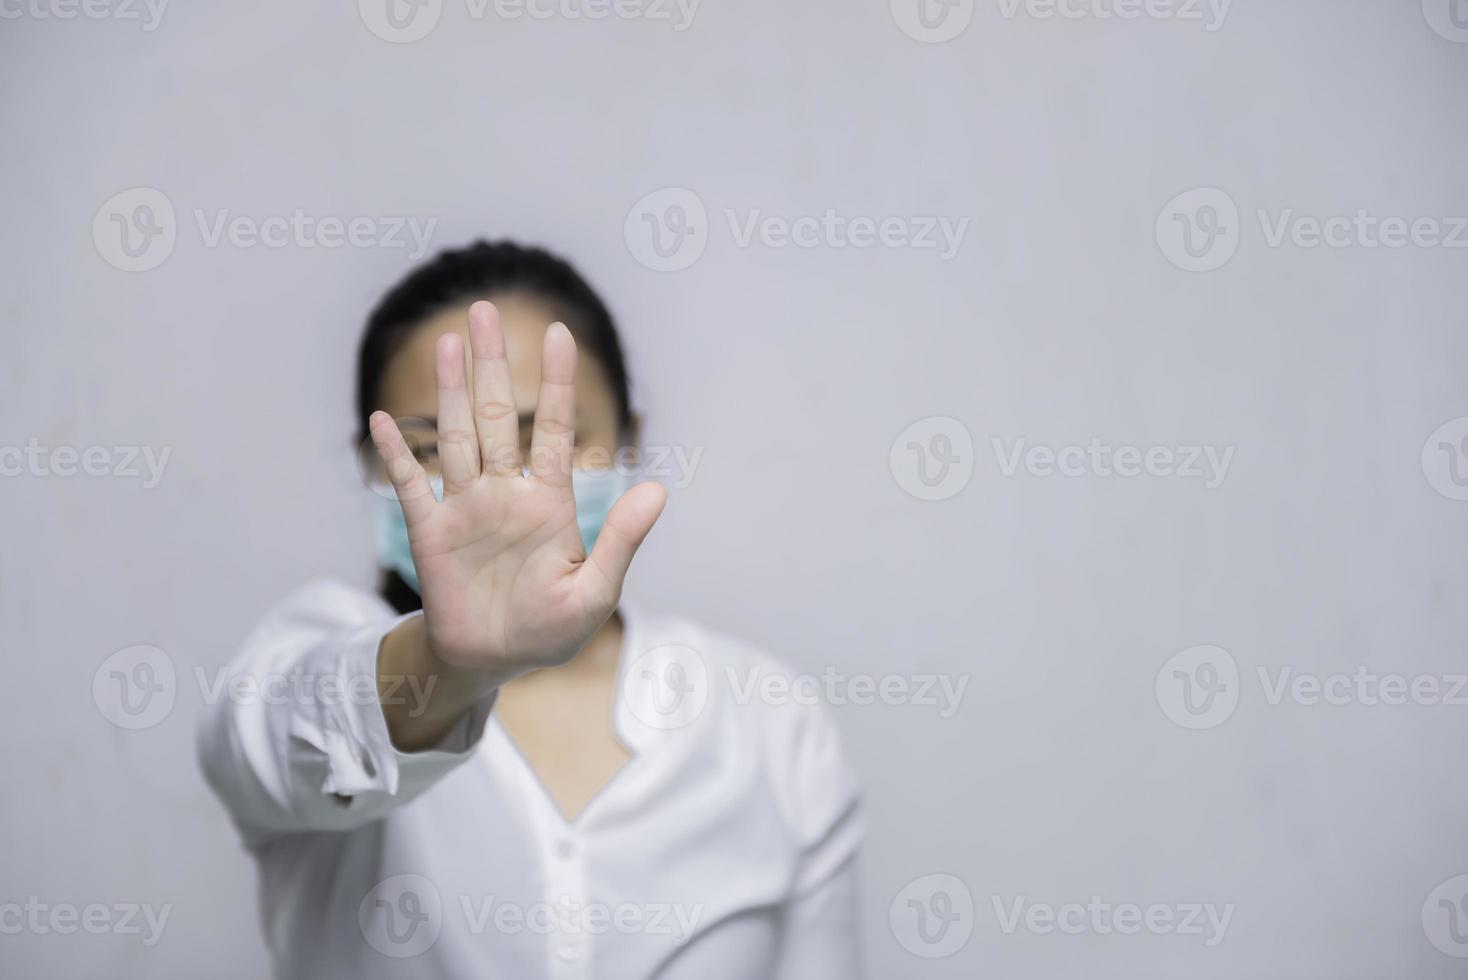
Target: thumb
(631,518)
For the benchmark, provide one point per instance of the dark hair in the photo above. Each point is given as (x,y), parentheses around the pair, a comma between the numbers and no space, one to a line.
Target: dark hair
(478,271)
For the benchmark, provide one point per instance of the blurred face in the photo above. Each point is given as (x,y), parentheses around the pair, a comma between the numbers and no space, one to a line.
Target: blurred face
(409,390)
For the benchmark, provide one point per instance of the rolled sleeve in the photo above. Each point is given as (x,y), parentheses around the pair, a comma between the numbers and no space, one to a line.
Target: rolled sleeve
(316,754)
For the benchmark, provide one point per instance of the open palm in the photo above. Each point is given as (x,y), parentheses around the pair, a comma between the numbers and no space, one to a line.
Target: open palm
(506,584)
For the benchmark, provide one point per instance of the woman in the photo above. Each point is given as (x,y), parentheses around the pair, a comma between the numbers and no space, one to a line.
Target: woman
(517,777)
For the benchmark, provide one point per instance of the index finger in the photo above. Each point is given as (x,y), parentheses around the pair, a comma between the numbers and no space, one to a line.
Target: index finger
(403,469)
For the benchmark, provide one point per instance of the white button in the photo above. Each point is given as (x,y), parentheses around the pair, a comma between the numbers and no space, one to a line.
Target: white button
(570,952)
(565,847)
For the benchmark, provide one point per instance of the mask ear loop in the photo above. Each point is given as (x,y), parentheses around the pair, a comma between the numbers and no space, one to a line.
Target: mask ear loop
(627,460)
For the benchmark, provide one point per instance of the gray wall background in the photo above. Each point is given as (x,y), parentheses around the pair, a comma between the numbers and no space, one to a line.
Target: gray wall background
(1329,546)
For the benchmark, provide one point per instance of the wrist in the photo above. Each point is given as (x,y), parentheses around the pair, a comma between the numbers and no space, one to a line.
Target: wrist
(454,673)
(442,691)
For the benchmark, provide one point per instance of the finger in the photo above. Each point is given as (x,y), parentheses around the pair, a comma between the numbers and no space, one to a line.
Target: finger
(458,446)
(553,440)
(629,522)
(494,397)
(403,469)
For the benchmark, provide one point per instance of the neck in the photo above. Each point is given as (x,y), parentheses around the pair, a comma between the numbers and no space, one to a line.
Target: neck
(604,649)
(596,662)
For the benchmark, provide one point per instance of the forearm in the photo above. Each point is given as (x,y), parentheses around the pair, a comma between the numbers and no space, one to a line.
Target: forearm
(422,697)
(325,760)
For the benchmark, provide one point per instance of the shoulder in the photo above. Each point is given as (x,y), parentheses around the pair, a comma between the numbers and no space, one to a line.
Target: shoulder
(744,693)
(329,602)
(318,608)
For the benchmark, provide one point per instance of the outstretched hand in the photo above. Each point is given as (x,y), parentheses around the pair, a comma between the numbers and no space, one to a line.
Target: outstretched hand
(507,586)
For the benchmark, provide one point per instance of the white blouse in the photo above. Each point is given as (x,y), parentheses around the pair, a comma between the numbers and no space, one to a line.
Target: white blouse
(724,848)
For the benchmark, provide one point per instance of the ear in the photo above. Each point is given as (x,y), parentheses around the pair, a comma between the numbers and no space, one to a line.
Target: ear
(634,437)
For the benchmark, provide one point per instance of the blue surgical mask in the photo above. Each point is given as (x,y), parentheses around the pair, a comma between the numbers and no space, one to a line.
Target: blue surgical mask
(393,550)
(595,490)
